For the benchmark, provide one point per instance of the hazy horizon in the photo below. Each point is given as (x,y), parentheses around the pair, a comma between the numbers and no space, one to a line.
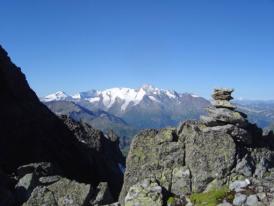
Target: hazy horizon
(186,46)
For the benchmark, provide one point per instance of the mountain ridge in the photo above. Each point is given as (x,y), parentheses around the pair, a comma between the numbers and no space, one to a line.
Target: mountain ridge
(141,108)
(108,96)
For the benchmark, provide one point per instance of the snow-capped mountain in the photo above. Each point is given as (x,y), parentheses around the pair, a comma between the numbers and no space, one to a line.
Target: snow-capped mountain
(143,107)
(124,96)
(58,96)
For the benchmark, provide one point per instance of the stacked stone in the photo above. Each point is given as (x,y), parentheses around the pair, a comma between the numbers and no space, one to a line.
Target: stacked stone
(222,97)
(222,111)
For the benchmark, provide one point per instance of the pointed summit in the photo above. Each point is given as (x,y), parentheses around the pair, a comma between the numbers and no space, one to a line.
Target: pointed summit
(148,87)
(57,96)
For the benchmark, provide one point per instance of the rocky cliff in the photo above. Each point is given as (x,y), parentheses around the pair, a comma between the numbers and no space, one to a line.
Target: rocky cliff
(221,159)
(49,158)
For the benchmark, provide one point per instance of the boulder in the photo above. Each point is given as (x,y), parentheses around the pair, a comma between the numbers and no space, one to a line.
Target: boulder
(155,154)
(227,116)
(145,193)
(39,169)
(239,185)
(102,195)
(252,200)
(239,199)
(61,193)
(245,166)
(209,154)
(181,181)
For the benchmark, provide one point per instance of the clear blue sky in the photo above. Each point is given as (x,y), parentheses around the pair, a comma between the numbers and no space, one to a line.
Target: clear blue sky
(186,45)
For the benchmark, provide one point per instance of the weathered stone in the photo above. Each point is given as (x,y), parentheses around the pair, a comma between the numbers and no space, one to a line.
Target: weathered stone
(103,196)
(225,204)
(113,204)
(26,182)
(41,196)
(62,193)
(262,196)
(25,186)
(165,135)
(153,154)
(262,167)
(238,134)
(252,200)
(38,169)
(223,104)
(209,154)
(146,193)
(49,180)
(239,199)
(245,166)
(181,181)
(222,94)
(239,185)
(226,116)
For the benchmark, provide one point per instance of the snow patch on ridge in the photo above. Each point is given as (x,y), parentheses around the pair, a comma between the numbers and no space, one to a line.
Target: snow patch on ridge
(123,97)
(58,96)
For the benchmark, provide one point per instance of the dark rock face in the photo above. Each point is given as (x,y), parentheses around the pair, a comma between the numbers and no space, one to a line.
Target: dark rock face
(30,130)
(7,196)
(31,134)
(104,153)
(202,155)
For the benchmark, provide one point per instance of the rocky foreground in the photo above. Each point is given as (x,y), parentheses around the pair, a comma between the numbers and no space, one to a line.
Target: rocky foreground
(46,160)
(54,161)
(220,160)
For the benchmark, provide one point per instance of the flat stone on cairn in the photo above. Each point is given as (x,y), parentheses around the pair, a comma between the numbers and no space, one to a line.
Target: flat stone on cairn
(223,112)
(222,94)
(222,97)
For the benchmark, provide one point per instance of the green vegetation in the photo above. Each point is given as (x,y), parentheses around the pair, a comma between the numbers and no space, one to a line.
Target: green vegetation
(170,201)
(211,198)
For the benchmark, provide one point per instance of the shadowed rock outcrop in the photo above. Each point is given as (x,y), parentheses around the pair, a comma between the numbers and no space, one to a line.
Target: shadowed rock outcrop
(201,156)
(31,134)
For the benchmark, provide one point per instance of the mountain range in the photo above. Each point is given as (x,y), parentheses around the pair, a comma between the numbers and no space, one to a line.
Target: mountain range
(221,159)
(145,107)
(126,111)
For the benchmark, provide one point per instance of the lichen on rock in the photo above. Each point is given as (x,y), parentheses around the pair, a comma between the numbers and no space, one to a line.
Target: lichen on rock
(200,156)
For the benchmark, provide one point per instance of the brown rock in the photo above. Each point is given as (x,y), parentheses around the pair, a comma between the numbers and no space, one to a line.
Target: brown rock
(222,94)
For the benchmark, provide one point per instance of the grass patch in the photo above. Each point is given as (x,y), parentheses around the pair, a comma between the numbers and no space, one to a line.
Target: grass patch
(211,198)
(170,201)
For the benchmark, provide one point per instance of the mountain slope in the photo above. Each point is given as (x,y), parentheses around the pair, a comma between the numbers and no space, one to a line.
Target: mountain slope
(259,112)
(145,107)
(98,119)
(58,96)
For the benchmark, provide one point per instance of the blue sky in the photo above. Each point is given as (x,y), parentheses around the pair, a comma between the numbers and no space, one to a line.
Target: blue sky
(186,45)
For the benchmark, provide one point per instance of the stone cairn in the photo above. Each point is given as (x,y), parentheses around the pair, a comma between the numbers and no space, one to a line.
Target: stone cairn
(222,111)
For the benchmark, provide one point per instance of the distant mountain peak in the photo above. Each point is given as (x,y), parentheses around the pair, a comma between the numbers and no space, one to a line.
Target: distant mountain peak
(57,96)
(122,97)
(149,88)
